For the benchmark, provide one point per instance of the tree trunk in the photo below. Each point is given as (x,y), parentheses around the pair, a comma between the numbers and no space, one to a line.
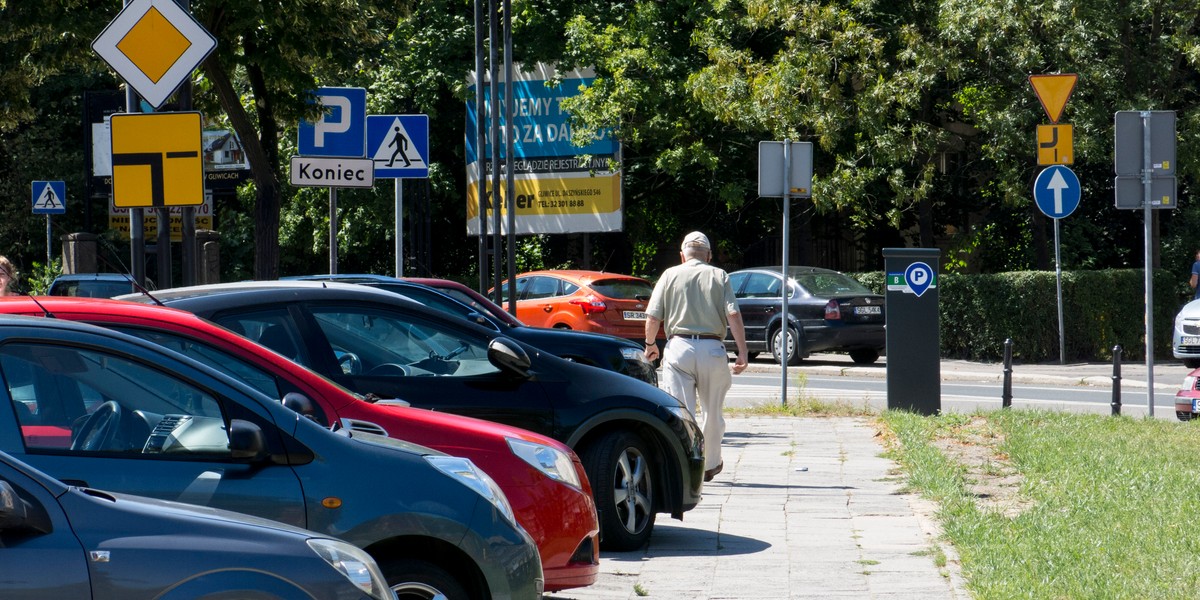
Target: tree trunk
(261,154)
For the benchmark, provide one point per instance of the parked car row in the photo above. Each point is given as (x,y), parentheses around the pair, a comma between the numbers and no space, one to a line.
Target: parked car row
(640,447)
(306,404)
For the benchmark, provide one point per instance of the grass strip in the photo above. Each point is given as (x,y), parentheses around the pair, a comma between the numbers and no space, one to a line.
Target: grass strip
(1094,506)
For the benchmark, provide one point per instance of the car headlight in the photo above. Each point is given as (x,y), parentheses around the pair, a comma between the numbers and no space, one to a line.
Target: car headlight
(1189,383)
(682,412)
(354,564)
(551,461)
(631,353)
(465,472)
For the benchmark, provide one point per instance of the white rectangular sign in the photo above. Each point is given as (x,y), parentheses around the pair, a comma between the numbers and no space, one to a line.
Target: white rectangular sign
(313,171)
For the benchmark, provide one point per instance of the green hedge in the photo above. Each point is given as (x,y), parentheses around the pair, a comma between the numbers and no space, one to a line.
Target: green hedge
(1101,309)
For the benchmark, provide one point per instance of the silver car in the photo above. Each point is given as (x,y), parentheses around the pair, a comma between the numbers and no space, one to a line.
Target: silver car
(1185,337)
(58,541)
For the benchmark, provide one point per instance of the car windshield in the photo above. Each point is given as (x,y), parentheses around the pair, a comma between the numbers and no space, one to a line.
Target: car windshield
(829,284)
(623,289)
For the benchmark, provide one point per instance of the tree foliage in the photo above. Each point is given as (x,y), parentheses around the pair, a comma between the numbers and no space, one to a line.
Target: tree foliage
(921,114)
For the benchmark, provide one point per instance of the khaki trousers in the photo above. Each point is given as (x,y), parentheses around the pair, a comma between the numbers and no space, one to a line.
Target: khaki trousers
(699,370)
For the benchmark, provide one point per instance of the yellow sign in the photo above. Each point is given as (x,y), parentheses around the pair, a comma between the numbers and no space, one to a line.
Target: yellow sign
(154,45)
(1053,91)
(1055,144)
(157,160)
(554,205)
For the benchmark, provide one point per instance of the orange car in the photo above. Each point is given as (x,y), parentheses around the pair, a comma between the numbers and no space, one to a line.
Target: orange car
(584,300)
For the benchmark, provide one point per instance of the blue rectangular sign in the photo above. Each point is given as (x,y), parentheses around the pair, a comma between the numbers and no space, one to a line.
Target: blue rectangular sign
(341,130)
(399,145)
(542,126)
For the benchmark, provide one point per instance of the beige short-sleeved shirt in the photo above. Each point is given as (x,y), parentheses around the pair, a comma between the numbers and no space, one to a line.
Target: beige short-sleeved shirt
(693,298)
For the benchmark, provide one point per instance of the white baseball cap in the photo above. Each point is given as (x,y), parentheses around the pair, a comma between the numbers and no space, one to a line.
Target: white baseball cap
(695,239)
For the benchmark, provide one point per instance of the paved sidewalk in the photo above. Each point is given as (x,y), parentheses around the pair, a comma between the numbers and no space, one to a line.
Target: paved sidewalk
(805,508)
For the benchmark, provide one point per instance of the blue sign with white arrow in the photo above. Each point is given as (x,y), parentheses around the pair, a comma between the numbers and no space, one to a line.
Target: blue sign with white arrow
(399,145)
(49,197)
(1056,191)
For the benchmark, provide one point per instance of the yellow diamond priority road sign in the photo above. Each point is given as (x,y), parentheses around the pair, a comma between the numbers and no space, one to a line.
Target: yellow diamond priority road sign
(157,159)
(154,45)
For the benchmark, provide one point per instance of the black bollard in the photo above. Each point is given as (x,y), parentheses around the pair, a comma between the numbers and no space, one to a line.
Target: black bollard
(1116,381)
(1006,395)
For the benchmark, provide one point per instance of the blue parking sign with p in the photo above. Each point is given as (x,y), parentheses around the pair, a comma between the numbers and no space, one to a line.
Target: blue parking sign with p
(341,130)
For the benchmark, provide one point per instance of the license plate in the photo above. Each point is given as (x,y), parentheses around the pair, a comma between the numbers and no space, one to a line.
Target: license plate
(633,315)
(868,310)
(1196,405)
(1189,340)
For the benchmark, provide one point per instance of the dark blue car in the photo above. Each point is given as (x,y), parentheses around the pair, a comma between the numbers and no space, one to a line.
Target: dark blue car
(58,541)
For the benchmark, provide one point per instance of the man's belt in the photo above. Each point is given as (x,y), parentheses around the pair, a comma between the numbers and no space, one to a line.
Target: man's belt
(697,336)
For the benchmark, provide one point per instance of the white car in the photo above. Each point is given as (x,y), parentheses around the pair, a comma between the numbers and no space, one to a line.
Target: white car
(1185,337)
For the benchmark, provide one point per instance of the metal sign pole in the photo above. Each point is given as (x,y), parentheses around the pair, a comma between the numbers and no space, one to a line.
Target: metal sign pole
(1146,234)
(333,228)
(1062,344)
(399,227)
(787,219)
(49,243)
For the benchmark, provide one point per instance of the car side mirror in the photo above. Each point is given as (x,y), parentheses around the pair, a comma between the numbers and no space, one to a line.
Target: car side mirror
(14,512)
(479,319)
(246,441)
(300,403)
(507,356)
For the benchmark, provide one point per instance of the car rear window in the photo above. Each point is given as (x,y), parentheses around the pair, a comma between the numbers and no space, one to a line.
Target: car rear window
(623,289)
(830,284)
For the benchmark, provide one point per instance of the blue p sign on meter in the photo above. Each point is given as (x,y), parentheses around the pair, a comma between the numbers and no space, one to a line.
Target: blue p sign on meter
(1056,191)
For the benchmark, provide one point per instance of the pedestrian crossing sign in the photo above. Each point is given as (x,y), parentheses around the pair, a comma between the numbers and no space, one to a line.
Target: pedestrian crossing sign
(399,145)
(49,197)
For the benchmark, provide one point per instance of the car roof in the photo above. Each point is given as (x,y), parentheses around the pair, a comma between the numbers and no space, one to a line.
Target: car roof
(792,270)
(220,296)
(121,277)
(579,275)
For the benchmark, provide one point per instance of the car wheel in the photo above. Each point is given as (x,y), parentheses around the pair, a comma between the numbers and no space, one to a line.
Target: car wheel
(1183,416)
(618,465)
(864,357)
(1192,363)
(420,580)
(793,347)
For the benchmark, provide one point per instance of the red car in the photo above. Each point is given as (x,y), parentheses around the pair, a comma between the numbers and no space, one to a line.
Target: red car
(1187,399)
(543,479)
(584,300)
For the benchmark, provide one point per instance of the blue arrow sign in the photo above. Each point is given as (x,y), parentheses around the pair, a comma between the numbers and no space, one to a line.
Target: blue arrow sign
(1056,191)
(399,145)
(342,128)
(49,197)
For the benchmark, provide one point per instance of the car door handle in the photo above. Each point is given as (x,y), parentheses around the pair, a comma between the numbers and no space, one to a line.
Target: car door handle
(547,308)
(770,309)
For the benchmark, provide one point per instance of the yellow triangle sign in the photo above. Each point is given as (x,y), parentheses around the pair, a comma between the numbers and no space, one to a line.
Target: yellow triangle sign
(1053,91)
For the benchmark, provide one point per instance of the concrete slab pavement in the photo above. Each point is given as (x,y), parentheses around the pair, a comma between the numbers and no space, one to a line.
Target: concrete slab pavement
(805,508)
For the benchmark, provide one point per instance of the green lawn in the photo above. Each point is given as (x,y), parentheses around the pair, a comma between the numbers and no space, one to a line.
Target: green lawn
(1053,505)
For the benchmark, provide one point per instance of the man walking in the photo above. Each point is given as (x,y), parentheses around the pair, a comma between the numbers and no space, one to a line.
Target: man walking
(695,303)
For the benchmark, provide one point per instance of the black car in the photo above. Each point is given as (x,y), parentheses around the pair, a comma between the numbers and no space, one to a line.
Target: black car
(833,312)
(585,347)
(640,446)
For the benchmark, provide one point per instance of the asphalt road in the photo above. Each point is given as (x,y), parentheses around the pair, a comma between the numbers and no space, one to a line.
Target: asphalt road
(965,386)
